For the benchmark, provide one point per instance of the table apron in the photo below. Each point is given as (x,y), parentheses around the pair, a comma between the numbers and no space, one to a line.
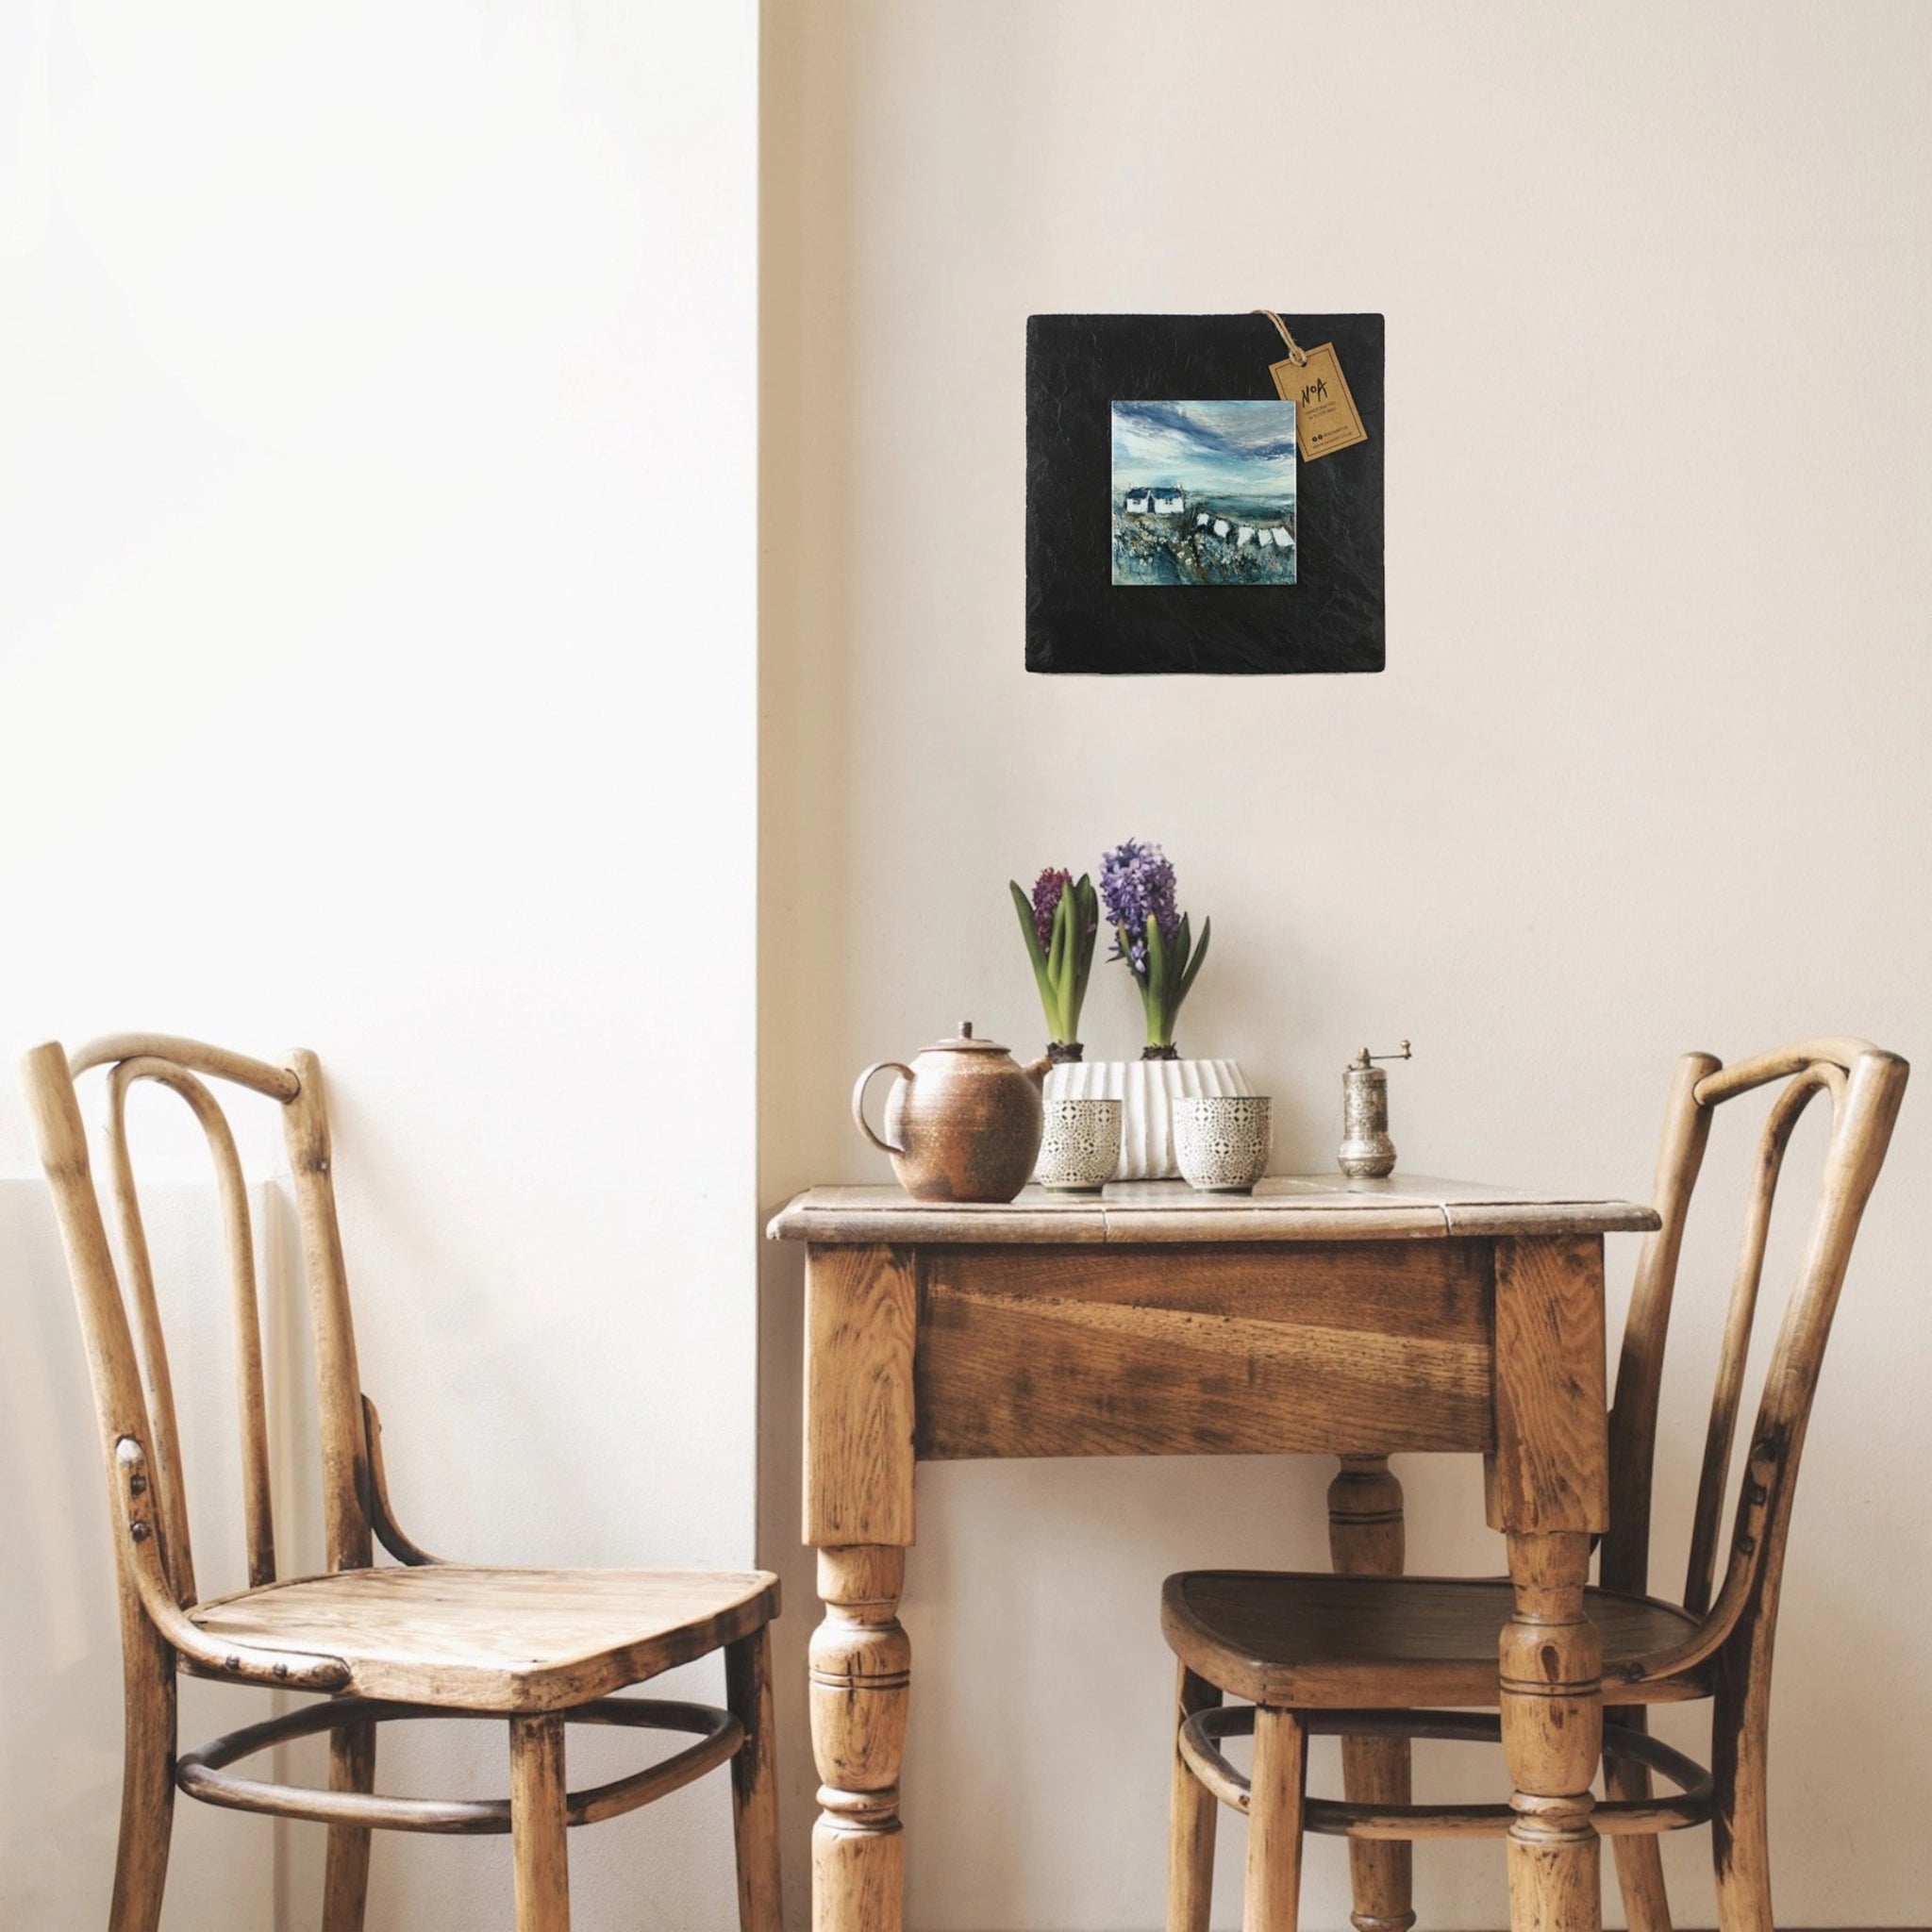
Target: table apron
(1248,1349)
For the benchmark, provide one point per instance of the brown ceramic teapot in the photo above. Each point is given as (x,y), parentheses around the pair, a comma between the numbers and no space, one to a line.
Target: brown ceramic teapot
(962,1123)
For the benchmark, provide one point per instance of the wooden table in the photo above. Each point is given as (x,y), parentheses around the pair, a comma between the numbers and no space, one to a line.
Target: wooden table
(1352,1318)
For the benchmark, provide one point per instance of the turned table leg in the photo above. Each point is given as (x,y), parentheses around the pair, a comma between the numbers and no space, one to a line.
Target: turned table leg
(860,1687)
(860,1316)
(1553,1732)
(1365,1540)
(1548,1484)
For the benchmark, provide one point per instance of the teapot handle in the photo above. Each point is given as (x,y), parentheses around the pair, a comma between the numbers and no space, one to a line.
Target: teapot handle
(859,1102)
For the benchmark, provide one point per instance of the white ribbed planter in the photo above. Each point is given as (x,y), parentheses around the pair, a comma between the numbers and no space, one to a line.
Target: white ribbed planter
(1146,1090)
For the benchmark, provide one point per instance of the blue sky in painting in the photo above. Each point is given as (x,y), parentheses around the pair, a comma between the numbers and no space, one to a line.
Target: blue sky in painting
(1229,449)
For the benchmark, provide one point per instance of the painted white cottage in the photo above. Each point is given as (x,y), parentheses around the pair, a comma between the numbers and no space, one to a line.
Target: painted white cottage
(1169,503)
(1139,502)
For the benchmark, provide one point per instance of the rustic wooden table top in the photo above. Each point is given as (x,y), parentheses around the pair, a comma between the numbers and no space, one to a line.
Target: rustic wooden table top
(1288,1207)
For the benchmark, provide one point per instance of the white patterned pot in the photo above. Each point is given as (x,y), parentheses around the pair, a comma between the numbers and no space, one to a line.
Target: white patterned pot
(1222,1141)
(1080,1148)
(1147,1091)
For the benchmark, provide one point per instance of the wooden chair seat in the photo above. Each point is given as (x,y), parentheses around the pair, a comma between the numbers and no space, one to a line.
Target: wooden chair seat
(496,1640)
(1319,1641)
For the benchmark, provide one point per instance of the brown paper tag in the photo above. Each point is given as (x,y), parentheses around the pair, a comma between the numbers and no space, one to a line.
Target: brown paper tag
(1326,417)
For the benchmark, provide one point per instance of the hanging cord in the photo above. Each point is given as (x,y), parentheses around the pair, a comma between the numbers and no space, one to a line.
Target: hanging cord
(1295,353)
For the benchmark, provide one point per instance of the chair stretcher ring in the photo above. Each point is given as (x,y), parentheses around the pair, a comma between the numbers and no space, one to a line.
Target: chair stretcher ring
(1200,1738)
(201,1773)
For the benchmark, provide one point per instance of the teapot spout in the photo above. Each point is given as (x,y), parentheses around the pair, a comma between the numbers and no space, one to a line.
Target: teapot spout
(1037,1070)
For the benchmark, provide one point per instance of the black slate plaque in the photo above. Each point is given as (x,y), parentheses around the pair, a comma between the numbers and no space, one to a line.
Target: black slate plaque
(1078,618)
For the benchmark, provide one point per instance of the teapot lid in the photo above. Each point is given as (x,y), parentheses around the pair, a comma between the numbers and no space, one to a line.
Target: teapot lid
(964,1042)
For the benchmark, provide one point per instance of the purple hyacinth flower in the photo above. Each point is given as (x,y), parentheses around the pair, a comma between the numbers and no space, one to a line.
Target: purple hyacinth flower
(1137,883)
(1047,889)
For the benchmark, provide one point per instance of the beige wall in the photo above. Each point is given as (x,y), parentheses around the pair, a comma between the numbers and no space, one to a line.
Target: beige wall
(1646,770)
(360,687)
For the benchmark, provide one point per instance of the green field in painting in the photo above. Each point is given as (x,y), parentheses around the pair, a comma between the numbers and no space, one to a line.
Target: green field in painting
(1180,549)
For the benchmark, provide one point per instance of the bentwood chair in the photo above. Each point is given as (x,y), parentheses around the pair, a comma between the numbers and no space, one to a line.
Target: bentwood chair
(538,1649)
(1389,1657)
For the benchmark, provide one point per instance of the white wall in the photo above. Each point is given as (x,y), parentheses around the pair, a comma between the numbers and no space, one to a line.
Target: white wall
(370,376)
(1645,772)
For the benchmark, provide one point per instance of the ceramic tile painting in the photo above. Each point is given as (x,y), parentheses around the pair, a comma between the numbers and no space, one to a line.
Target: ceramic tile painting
(1204,492)
(1192,536)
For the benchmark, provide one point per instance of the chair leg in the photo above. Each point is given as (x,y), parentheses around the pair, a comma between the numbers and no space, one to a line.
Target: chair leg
(1744,1876)
(147,1778)
(1192,1815)
(345,1884)
(754,1782)
(1377,1770)
(1639,1858)
(1740,1827)
(1278,1782)
(540,1823)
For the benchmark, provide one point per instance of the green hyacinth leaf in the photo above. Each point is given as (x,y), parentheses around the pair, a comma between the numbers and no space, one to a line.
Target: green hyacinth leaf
(1193,971)
(1175,987)
(1086,929)
(1159,1017)
(1024,907)
(1036,958)
(1057,975)
(1177,955)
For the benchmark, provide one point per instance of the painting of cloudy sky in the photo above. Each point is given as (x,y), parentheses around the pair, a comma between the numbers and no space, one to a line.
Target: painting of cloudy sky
(1204,492)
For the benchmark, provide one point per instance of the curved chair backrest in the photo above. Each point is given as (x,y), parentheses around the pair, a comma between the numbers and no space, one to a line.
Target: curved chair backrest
(127,1355)
(1865,1086)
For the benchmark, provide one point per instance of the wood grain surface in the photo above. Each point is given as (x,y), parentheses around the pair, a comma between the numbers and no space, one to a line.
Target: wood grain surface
(1248,1349)
(498,1639)
(1314,1207)
(1550,1470)
(861,1313)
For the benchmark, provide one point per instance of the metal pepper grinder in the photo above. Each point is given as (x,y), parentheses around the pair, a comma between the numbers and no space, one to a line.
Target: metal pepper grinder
(1366,1152)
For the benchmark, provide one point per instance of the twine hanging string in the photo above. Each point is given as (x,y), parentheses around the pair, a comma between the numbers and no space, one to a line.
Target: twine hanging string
(1295,353)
